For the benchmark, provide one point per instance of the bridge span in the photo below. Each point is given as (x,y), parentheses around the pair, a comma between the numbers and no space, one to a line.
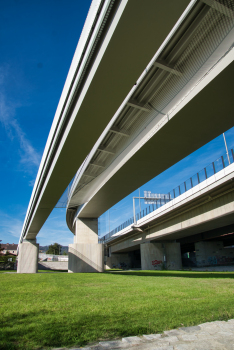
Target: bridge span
(146,87)
(201,218)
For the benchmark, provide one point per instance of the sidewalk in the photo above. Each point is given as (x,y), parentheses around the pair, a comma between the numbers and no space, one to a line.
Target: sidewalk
(218,335)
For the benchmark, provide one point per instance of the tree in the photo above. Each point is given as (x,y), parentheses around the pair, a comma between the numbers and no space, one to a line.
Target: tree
(64,253)
(54,249)
(1,249)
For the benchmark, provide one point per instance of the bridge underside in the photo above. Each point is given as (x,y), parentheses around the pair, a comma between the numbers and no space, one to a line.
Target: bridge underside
(194,235)
(205,117)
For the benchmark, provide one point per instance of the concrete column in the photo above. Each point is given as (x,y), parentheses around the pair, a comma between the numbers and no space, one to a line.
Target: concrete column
(28,257)
(86,254)
(159,256)
(152,256)
(173,256)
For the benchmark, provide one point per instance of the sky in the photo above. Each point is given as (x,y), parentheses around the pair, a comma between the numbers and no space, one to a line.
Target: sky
(37,41)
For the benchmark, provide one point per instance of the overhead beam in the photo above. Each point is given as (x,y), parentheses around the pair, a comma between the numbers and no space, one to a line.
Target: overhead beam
(89,175)
(105,150)
(138,105)
(122,132)
(97,164)
(219,7)
(167,67)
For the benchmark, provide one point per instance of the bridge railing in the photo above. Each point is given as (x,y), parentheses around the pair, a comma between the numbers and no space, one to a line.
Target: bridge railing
(211,169)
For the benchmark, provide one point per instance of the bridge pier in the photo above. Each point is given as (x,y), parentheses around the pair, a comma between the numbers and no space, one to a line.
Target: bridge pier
(28,256)
(159,256)
(86,254)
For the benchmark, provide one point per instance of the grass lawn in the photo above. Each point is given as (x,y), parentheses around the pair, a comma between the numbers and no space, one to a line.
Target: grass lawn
(59,309)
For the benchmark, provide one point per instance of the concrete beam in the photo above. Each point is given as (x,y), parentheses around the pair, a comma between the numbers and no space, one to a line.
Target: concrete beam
(106,150)
(219,7)
(167,67)
(97,164)
(122,132)
(89,175)
(138,105)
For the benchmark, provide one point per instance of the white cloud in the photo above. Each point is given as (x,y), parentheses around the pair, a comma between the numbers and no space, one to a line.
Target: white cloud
(28,155)
(10,228)
(7,117)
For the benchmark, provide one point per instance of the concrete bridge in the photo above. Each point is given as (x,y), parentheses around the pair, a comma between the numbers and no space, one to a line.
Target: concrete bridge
(201,220)
(146,87)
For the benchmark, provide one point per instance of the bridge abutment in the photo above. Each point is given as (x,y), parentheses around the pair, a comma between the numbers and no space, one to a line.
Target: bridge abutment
(86,254)
(159,256)
(28,256)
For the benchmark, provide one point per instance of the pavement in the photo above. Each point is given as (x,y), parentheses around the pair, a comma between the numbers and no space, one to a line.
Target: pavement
(217,335)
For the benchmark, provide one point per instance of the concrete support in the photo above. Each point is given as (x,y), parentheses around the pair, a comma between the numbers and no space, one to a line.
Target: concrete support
(117,260)
(159,256)
(213,253)
(173,256)
(86,255)
(152,256)
(28,257)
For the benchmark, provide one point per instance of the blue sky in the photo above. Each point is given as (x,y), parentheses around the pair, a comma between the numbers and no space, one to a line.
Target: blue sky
(37,40)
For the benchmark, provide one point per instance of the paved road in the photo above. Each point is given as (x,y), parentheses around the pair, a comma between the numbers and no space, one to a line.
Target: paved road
(218,335)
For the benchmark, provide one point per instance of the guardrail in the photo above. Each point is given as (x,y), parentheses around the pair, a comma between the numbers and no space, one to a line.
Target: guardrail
(211,169)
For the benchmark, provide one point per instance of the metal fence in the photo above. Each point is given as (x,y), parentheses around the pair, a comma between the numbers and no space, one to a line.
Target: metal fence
(211,169)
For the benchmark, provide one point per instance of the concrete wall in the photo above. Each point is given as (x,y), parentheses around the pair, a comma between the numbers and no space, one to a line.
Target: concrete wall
(116,259)
(213,253)
(53,265)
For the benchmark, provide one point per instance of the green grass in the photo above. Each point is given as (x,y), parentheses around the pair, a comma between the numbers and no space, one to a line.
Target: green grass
(59,309)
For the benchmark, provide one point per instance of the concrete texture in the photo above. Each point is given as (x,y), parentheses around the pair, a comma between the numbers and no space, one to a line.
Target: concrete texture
(53,265)
(86,255)
(213,254)
(28,257)
(86,231)
(173,256)
(152,256)
(205,207)
(218,335)
(86,258)
(117,259)
(157,256)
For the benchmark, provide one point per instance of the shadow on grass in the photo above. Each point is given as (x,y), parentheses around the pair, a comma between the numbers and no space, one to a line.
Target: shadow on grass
(27,331)
(183,274)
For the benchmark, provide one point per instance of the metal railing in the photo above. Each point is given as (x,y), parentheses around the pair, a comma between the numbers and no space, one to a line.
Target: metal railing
(211,169)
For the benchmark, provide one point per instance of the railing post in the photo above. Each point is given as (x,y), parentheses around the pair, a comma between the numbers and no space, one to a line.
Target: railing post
(198,179)
(223,162)
(214,167)
(205,173)
(232,154)
(191,180)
